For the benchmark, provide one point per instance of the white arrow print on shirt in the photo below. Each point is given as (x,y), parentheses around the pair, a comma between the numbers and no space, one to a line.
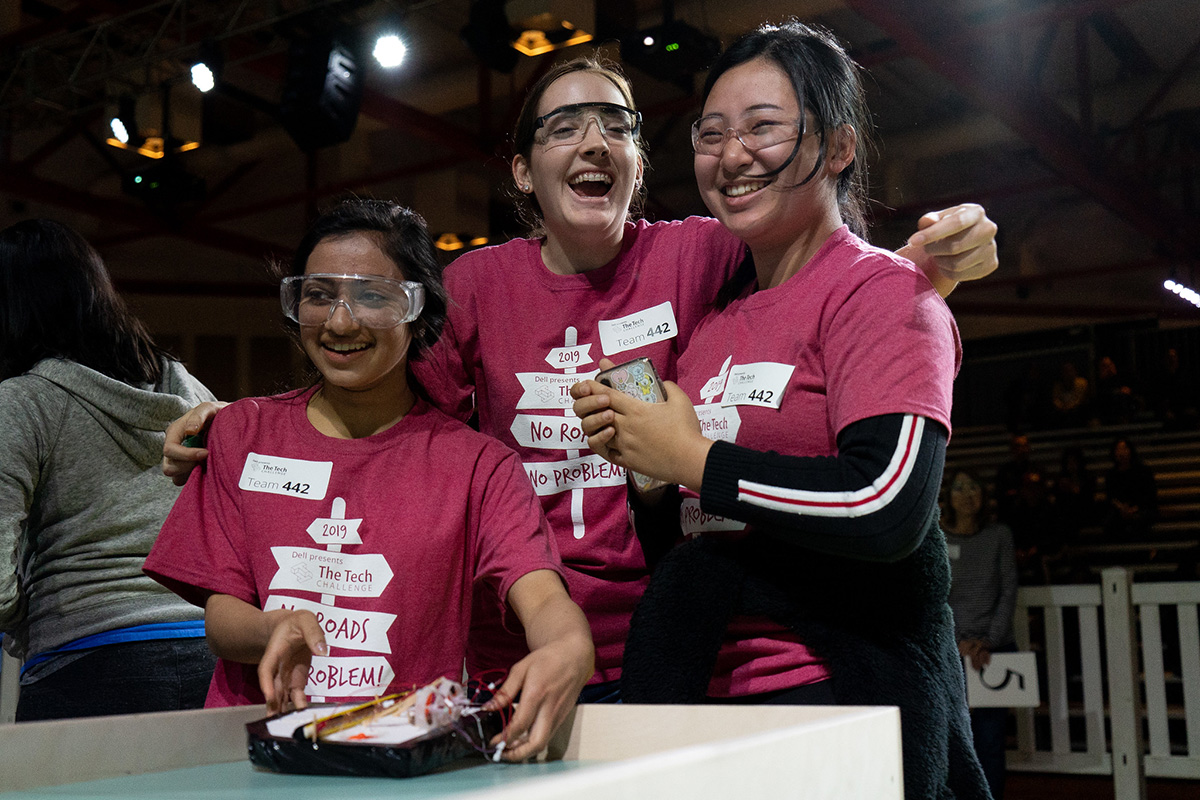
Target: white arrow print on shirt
(572,339)
(364,575)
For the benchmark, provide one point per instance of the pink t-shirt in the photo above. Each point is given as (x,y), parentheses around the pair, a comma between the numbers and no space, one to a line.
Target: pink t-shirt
(858,332)
(517,337)
(383,538)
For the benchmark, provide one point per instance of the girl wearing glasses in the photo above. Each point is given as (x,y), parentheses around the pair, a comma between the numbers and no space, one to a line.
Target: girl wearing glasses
(533,316)
(337,532)
(815,571)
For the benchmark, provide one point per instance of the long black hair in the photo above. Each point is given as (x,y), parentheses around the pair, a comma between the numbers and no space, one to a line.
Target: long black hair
(827,83)
(58,301)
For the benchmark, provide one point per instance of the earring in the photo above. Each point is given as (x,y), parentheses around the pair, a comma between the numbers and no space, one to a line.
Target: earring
(525,187)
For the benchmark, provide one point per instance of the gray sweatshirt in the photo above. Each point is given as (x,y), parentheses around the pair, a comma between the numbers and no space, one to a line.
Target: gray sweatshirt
(82,498)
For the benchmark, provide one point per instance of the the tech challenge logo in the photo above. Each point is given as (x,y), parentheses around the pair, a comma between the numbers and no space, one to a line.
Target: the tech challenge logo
(262,468)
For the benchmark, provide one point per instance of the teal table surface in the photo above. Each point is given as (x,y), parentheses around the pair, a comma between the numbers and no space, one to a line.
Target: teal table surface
(242,780)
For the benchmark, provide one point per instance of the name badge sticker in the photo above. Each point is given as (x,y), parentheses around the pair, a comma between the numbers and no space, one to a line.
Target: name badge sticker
(758,384)
(291,477)
(642,328)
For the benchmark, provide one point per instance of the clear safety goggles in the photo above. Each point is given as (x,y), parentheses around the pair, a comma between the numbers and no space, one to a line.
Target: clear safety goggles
(569,124)
(756,132)
(373,301)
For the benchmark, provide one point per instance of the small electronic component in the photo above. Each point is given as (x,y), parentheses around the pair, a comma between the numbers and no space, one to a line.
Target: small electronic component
(439,705)
(399,735)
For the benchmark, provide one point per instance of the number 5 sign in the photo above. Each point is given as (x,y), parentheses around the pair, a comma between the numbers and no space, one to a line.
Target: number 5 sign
(1009,681)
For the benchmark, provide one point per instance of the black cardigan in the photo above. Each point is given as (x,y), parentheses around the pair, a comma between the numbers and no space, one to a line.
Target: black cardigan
(885,630)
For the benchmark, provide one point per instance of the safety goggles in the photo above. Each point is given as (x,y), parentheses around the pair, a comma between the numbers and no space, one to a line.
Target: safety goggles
(569,124)
(755,132)
(373,301)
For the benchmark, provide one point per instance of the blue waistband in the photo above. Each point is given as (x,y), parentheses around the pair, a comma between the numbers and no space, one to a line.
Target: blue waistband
(137,633)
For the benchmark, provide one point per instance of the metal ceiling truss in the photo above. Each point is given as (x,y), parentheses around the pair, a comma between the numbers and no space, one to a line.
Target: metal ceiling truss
(138,49)
(1087,152)
(87,55)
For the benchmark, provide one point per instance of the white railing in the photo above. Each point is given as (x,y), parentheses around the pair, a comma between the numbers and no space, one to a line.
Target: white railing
(1114,668)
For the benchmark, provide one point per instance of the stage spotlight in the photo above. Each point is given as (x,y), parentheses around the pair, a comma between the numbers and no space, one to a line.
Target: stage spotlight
(164,185)
(124,124)
(673,51)
(544,33)
(208,66)
(119,131)
(389,51)
(489,36)
(321,93)
(203,78)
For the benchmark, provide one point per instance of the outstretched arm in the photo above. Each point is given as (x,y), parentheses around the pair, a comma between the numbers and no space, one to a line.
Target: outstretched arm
(560,661)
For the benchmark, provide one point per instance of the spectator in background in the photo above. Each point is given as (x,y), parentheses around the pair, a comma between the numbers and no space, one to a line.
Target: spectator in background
(1023,504)
(1025,400)
(1074,497)
(84,397)
(983,596)
(1069,397)
(1115,403)
(1175,400)
(1130,494)
(1074,494)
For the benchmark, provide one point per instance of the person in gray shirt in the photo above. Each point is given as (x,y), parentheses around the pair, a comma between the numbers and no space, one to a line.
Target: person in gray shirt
(983,597)
(85,396)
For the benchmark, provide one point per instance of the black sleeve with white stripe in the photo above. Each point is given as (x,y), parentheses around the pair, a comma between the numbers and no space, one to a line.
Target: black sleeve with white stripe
(872,501)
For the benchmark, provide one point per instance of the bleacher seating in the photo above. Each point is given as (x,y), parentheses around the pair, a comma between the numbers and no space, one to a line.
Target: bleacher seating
(1173,547)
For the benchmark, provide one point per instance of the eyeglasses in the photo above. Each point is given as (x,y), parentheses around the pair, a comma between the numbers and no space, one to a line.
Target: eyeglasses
(373,301)
(569,124)
(755,133)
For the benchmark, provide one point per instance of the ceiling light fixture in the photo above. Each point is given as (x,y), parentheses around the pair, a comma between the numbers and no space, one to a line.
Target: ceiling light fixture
(389,51)
(203,78)
(545,33)
(322,91)
(207,69)
(1186,292)
(449,242)
(124,125)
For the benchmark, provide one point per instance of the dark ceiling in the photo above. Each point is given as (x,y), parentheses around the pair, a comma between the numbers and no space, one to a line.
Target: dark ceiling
(1076,123)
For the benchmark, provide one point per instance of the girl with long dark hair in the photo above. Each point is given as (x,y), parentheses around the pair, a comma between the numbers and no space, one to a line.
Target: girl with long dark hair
(806,435)
(84,397)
